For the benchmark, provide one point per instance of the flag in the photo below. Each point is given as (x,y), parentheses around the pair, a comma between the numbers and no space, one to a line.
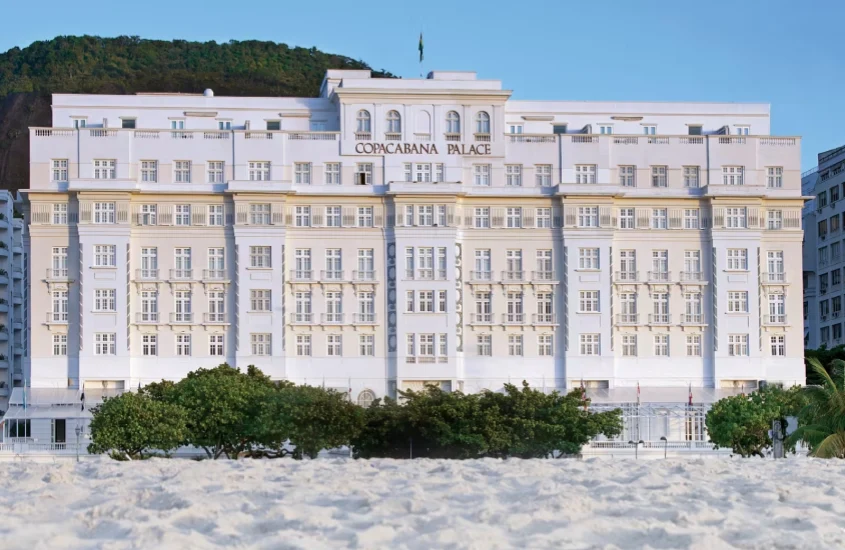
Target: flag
(421,48)
(638,393)
(690,395)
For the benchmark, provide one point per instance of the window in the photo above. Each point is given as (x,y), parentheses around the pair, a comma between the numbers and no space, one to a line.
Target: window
(104,300)
(334,345)
(481,174)
(692,218)
(735,218)
(588,301)
(649,130)
(439,172)
(482,123)
(834,221)
(545,307)
(585,173)
(691,176)
(104,343)
(732,175)
(545,268)
(60,214)
(334,264)
(367,345)
(660,265)
(483,308)
(628,176)
(742,130)
(215,171)
(659,177)
(260,344)
(837,331)
(215,345)
(834,193)
(628,265)
(79,122)
(774,179)
(778,343)
(59,170)
(183,345)
(626,218)
(302,263)
(366,264)
(514,308)
(484,344)
(738,302)
(660,308)
(60,344)
(629,345)
(148,214)
(738,345)
(183,214)
(823,228)
(303,345)
(182,171)
(515,128)
(19,427)
(737,259)
(441,301)
(259,214)
(453,123)
(605,129)
(515,345)
(692,262)
(182,310)
(588,258)
(363,123)
(105,255)
(366,307)
(513,175)
(334,308)
(514,217)
(543,175)
(775,219)
(302,173)
(149,307)
(661,345)
(589,344)
(60,306)
(105,169)
(426,301)
(215,214)
(481,219)
(394,125)
(543,217)
(659,218)
(364,171)
(333,216)
(302,216)
(224,124)
(588,216)
(149,171)
(260,171)
(104,212)
(825,334)
(332,173)
(259,256)
(693,345)
(365,216)
(482,265)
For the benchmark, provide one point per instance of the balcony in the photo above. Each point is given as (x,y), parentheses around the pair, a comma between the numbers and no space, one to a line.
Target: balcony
(627,319)
(58,275)
(146,275)
(481,318)
(543,276)
(774,320)
(181,274)
(17,274)
(482,138)
(213,274)
(301,275)
(363,136)
(513,276)
(331,275)
(778,278)
(659,276)
(513,318)
(452,136)
(181,318)
(481,276)
(148,318)
(214,319)
(364,319)
(658,319)
(392,136)
(301,318)
(57,318)
(363,275)
(543,319)
(692,319)
(623,277)
(331,318)
(692,277)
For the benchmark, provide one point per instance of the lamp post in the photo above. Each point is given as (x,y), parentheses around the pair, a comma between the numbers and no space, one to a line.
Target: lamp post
(636,447)
(665,444)
(78,431)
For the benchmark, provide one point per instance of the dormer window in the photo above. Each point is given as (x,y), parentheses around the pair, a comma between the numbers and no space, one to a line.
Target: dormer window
(394,126)
(362,125)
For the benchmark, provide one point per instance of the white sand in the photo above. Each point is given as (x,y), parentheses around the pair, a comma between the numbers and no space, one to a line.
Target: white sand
(340,503)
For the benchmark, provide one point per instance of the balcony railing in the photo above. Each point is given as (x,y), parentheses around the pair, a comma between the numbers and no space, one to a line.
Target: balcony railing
(213,274)
(331,318)
(513,318)
(774,319)
(516,276)
(364,319)
(452,136)
(183,317)
(181,274)
(692,277)
(658,318)
(57,318)
(628,319)
(301,275)
(57,274)
(148,318)
(481,318)
(146,274)
(363,136)
(481,275)
(214,318)
(692,318)
(774,278)
(627,276)
(543,319)
(543,275)
(301,318)
(484,138)
(392,136)
(331,275)
(659,276)
(364,275)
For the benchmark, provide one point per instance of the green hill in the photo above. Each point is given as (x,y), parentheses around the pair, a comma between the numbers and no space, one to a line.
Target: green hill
(129,64)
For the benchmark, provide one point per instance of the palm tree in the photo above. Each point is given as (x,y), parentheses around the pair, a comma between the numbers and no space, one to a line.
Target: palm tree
(821,422)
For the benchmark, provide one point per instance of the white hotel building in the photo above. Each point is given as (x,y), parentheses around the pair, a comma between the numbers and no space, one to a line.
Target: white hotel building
(394,232)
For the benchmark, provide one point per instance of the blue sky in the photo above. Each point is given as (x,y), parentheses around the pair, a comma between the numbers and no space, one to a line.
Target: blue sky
(782,52)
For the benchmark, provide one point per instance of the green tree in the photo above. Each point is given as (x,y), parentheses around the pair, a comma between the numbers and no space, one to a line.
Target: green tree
(742,422)
(821,422)
(134,424)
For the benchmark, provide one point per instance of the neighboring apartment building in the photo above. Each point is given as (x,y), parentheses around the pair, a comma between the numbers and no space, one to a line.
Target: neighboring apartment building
(824,264)
(11,299)
(390,233)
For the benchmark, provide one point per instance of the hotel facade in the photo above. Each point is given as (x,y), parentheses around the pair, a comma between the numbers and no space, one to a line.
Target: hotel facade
(396,232)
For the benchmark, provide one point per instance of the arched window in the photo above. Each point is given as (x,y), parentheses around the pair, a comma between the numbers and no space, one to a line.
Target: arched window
(366,398)
(453,123)
(482,123)
(394,122)
(363,121)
